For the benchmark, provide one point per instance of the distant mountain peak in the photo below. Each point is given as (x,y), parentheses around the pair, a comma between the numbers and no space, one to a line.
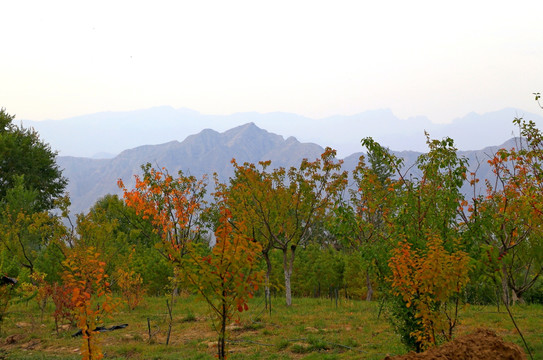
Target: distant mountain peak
(250,126)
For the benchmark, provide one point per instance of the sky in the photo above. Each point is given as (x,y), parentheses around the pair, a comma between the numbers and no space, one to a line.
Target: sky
(60,59)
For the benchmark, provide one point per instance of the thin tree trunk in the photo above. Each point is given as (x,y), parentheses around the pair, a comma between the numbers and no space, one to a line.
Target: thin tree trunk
(505,287)
(222,334)
(288,264)
(369,295)
(267,294)
(169,324)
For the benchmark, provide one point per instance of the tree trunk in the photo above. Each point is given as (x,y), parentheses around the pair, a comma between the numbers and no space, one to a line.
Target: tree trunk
(369,295)
(267,294)
(505,287)
(221,345)
(517,296)
(288,264)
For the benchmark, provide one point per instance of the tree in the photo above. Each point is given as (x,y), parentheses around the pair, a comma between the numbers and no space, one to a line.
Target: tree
(284,205)
(25,232)
(250,197)
(99,230)
(426,281)
(361,221)
(228,276)
(224,276)
(116,230)
(22,153)
(510,216)
(172,205)
(91,296)
(130,283)
(426,226)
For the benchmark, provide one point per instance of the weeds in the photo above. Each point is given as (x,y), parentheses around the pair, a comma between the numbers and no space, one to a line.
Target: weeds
(352,331)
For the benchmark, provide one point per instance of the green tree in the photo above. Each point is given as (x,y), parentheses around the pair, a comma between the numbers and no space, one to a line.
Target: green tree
(362,220)
(424,221)
(22,153)
(130,231)
(24,232)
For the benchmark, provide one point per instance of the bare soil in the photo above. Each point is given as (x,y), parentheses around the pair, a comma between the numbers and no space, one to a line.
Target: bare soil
(483,344)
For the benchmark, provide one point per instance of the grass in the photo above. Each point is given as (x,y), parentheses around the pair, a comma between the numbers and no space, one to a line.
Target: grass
(310,329)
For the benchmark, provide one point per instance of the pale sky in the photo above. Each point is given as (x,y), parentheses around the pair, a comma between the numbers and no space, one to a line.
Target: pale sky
(60,59)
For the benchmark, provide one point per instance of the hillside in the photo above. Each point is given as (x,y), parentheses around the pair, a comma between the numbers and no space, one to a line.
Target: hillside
(204,153)
(210,151)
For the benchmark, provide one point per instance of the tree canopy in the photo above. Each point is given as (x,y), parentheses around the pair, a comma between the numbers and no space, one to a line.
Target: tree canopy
(24,154)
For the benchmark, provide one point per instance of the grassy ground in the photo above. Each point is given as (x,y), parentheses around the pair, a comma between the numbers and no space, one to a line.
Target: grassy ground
(310,329)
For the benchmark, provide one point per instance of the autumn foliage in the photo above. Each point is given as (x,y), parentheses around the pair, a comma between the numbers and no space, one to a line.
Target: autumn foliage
(90,296)
(227,277)
(170,203)
(130,284)
(283,205)
(510,215)
(431,282)
(64,311)
(224,276)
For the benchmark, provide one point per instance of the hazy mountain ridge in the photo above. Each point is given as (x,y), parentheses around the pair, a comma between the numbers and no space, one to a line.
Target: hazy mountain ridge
(107,133)
(203,153)
(210,151)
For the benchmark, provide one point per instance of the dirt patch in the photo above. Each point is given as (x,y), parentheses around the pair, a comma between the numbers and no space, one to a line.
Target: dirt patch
(481,345)
(14,339)
(32,344)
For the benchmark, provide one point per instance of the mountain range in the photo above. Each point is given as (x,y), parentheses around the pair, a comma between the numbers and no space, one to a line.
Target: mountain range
(107,134)
(207,152)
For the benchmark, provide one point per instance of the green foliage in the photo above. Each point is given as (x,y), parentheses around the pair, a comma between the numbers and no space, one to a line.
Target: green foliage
(25,232)
(6,293)
(25,156)
(9,265)
(424,219)
(115,229)
(317,270)
(535,294)
(361,221)
(49,261)
(154,268)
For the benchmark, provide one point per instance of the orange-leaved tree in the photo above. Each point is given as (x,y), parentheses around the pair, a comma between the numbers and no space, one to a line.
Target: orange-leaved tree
(426,281)
(172,204)
(426,217)
(61,294)
(511,215)
(250,197)
(90,295)
(227,276)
